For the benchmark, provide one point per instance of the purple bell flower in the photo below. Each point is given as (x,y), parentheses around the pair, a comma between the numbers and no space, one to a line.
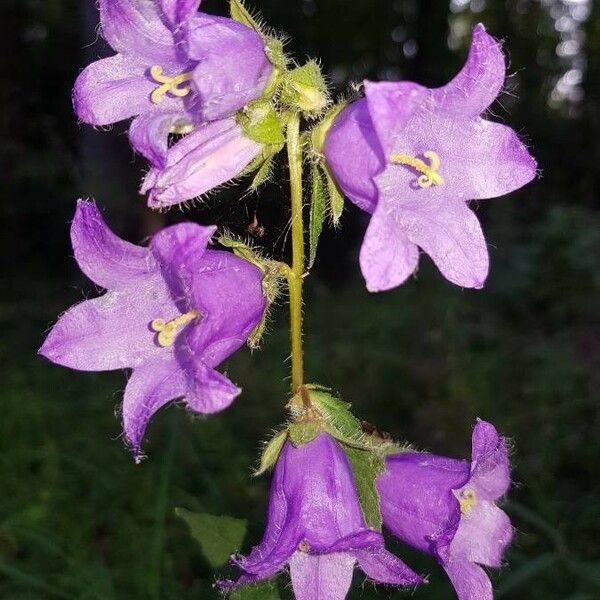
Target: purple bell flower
(446,507)
(316,526)
(211,155)
(172,313)
(153,76)
(414,157)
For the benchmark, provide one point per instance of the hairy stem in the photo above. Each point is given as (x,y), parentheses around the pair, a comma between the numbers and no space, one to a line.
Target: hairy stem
(296,276)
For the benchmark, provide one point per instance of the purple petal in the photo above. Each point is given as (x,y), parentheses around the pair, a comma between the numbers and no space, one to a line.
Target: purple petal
(383,567)
(136,28)
(113,89)
(479,82)
(149,134)
(211,155)
(354,154)
(387,257)
(179,12)
(417,502)
(106,259)
(208,391)
(150,387)
(112,331)
(469,580)
(490,469)
(320,577)
(483,535)
(233,68)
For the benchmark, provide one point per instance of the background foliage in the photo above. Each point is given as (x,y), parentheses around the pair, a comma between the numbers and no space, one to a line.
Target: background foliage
(78,520)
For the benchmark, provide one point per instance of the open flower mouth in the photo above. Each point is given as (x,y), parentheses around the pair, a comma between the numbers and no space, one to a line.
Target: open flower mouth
(430,175)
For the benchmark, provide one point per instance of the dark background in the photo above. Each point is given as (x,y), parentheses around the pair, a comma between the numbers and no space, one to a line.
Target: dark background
(78,520)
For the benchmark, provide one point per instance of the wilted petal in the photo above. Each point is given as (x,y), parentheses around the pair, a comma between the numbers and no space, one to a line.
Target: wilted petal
(320,577)
(483,535)
(479,82)
(112,331)
(150,387)
(354,154)
(213,154)
(469,580)
(490,470)
(387,257)
(106,259)
(233,68)
(383,567)
(149,134)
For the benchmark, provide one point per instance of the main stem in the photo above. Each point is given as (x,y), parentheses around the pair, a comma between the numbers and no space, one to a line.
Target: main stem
(296,275)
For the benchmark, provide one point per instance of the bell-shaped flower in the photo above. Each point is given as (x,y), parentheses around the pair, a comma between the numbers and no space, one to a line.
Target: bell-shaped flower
(152,77)
(447,508)
(211,155)
(414,157)
(316,526)
(172,312)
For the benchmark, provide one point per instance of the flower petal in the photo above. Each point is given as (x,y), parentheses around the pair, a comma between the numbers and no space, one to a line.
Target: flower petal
(150,387)
(233,68)
(383,567)
(469,580)
(208,391)
(479,82)
(354,154)
(483,535)
(136,27)
(211,155)
(490,468)
(320,577)
(106,259)
(149,134)
(112,331)
(387,257)
(178,12)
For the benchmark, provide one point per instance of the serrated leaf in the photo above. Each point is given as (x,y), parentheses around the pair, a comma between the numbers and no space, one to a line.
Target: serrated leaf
(367,466)
(262,124)
(242,15)
(219,536)
(302,433)
(317,212)
(336,199)
(265,590)
(271,452)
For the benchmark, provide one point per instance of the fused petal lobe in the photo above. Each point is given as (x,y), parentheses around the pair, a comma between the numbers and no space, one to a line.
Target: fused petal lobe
(320,577)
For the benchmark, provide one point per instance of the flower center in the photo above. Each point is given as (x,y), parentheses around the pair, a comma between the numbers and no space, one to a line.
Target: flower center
(467,500)
(430,175)
(167,330)
(170,85)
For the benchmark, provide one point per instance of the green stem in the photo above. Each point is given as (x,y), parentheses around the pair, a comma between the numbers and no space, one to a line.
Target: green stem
(296,275)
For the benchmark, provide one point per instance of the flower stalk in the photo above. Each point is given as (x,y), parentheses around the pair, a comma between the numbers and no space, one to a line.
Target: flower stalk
(296,274)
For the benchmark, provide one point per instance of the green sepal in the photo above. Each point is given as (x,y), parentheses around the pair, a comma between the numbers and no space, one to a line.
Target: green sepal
(317,211)
(304,88)
(219,537)
(261,123)
(271,452)
(242,15)
(275,53)
(303,432)
(319,131)
(367,466)
(336,198)
(263,590)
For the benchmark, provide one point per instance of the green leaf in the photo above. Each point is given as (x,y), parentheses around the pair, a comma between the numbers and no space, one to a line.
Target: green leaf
(341,423)
(265,590)
(242,15)
(303,432)
(271,452)
(367,466)
(262,124)
(336,199)
(317,212)
(219,537)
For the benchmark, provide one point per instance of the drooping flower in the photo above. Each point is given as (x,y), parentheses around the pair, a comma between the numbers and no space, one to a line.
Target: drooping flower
(447,508)
(211,155)
(414,157)
(172,312)
(316,526)
(153,76)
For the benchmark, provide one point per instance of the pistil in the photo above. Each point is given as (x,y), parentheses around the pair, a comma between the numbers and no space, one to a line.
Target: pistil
(171,85)
(167,330)
(430,174)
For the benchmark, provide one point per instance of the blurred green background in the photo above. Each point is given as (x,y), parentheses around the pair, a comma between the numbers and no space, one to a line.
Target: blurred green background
(78,520)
